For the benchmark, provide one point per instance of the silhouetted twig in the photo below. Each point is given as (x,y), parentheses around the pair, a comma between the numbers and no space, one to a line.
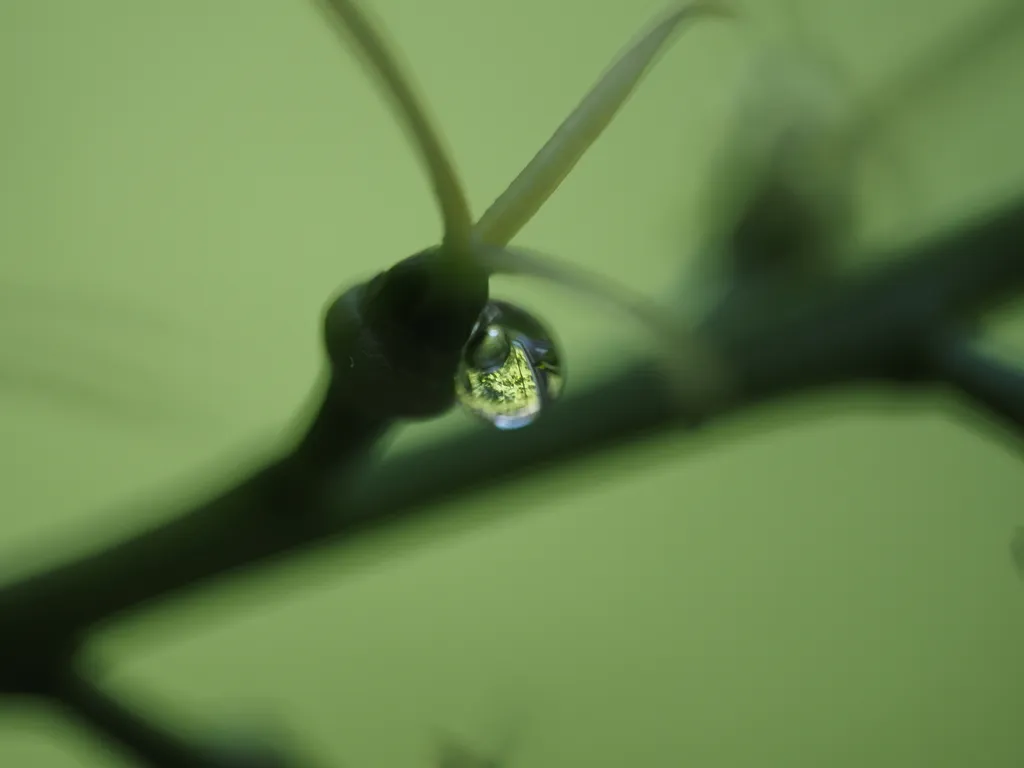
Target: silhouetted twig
(867,328)
(149,741)
(393,346)
(994,386)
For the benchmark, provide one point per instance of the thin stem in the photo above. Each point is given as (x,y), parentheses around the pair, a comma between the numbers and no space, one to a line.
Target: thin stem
(411,113)
(514,208)
(695,369)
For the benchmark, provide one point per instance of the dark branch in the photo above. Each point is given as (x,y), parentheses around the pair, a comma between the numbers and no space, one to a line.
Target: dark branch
(994,386)
(146,740)
(788,326)
(393,346)
(868,327)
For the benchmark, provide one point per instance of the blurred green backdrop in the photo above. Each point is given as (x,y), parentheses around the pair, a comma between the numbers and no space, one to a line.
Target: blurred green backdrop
(183,187)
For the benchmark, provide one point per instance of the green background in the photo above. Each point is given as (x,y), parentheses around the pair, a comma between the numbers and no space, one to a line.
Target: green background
(185,184)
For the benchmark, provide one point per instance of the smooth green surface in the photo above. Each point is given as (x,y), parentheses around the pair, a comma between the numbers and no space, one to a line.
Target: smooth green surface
(185,184)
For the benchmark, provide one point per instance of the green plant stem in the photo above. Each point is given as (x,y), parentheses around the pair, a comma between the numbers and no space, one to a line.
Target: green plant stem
(849,330)
(266,514)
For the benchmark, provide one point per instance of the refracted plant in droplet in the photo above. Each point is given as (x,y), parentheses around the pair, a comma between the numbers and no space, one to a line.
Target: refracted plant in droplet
(511,367)
(486,243)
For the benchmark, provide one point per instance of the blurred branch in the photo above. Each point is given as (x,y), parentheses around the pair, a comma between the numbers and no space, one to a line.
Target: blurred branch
(143,739)
(871,327)
(874,326)
(995,387)
(146,740)
(927,76)
(783,328)
(275,508)
(866,329)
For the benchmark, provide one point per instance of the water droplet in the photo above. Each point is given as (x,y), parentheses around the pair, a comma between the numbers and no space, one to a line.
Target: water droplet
(511,367)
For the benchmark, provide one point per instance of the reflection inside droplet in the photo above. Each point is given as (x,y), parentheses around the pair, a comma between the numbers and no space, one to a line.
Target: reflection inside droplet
(511,367)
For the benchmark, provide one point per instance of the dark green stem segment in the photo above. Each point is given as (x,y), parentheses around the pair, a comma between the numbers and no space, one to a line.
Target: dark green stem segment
(393,344)
(851,330)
